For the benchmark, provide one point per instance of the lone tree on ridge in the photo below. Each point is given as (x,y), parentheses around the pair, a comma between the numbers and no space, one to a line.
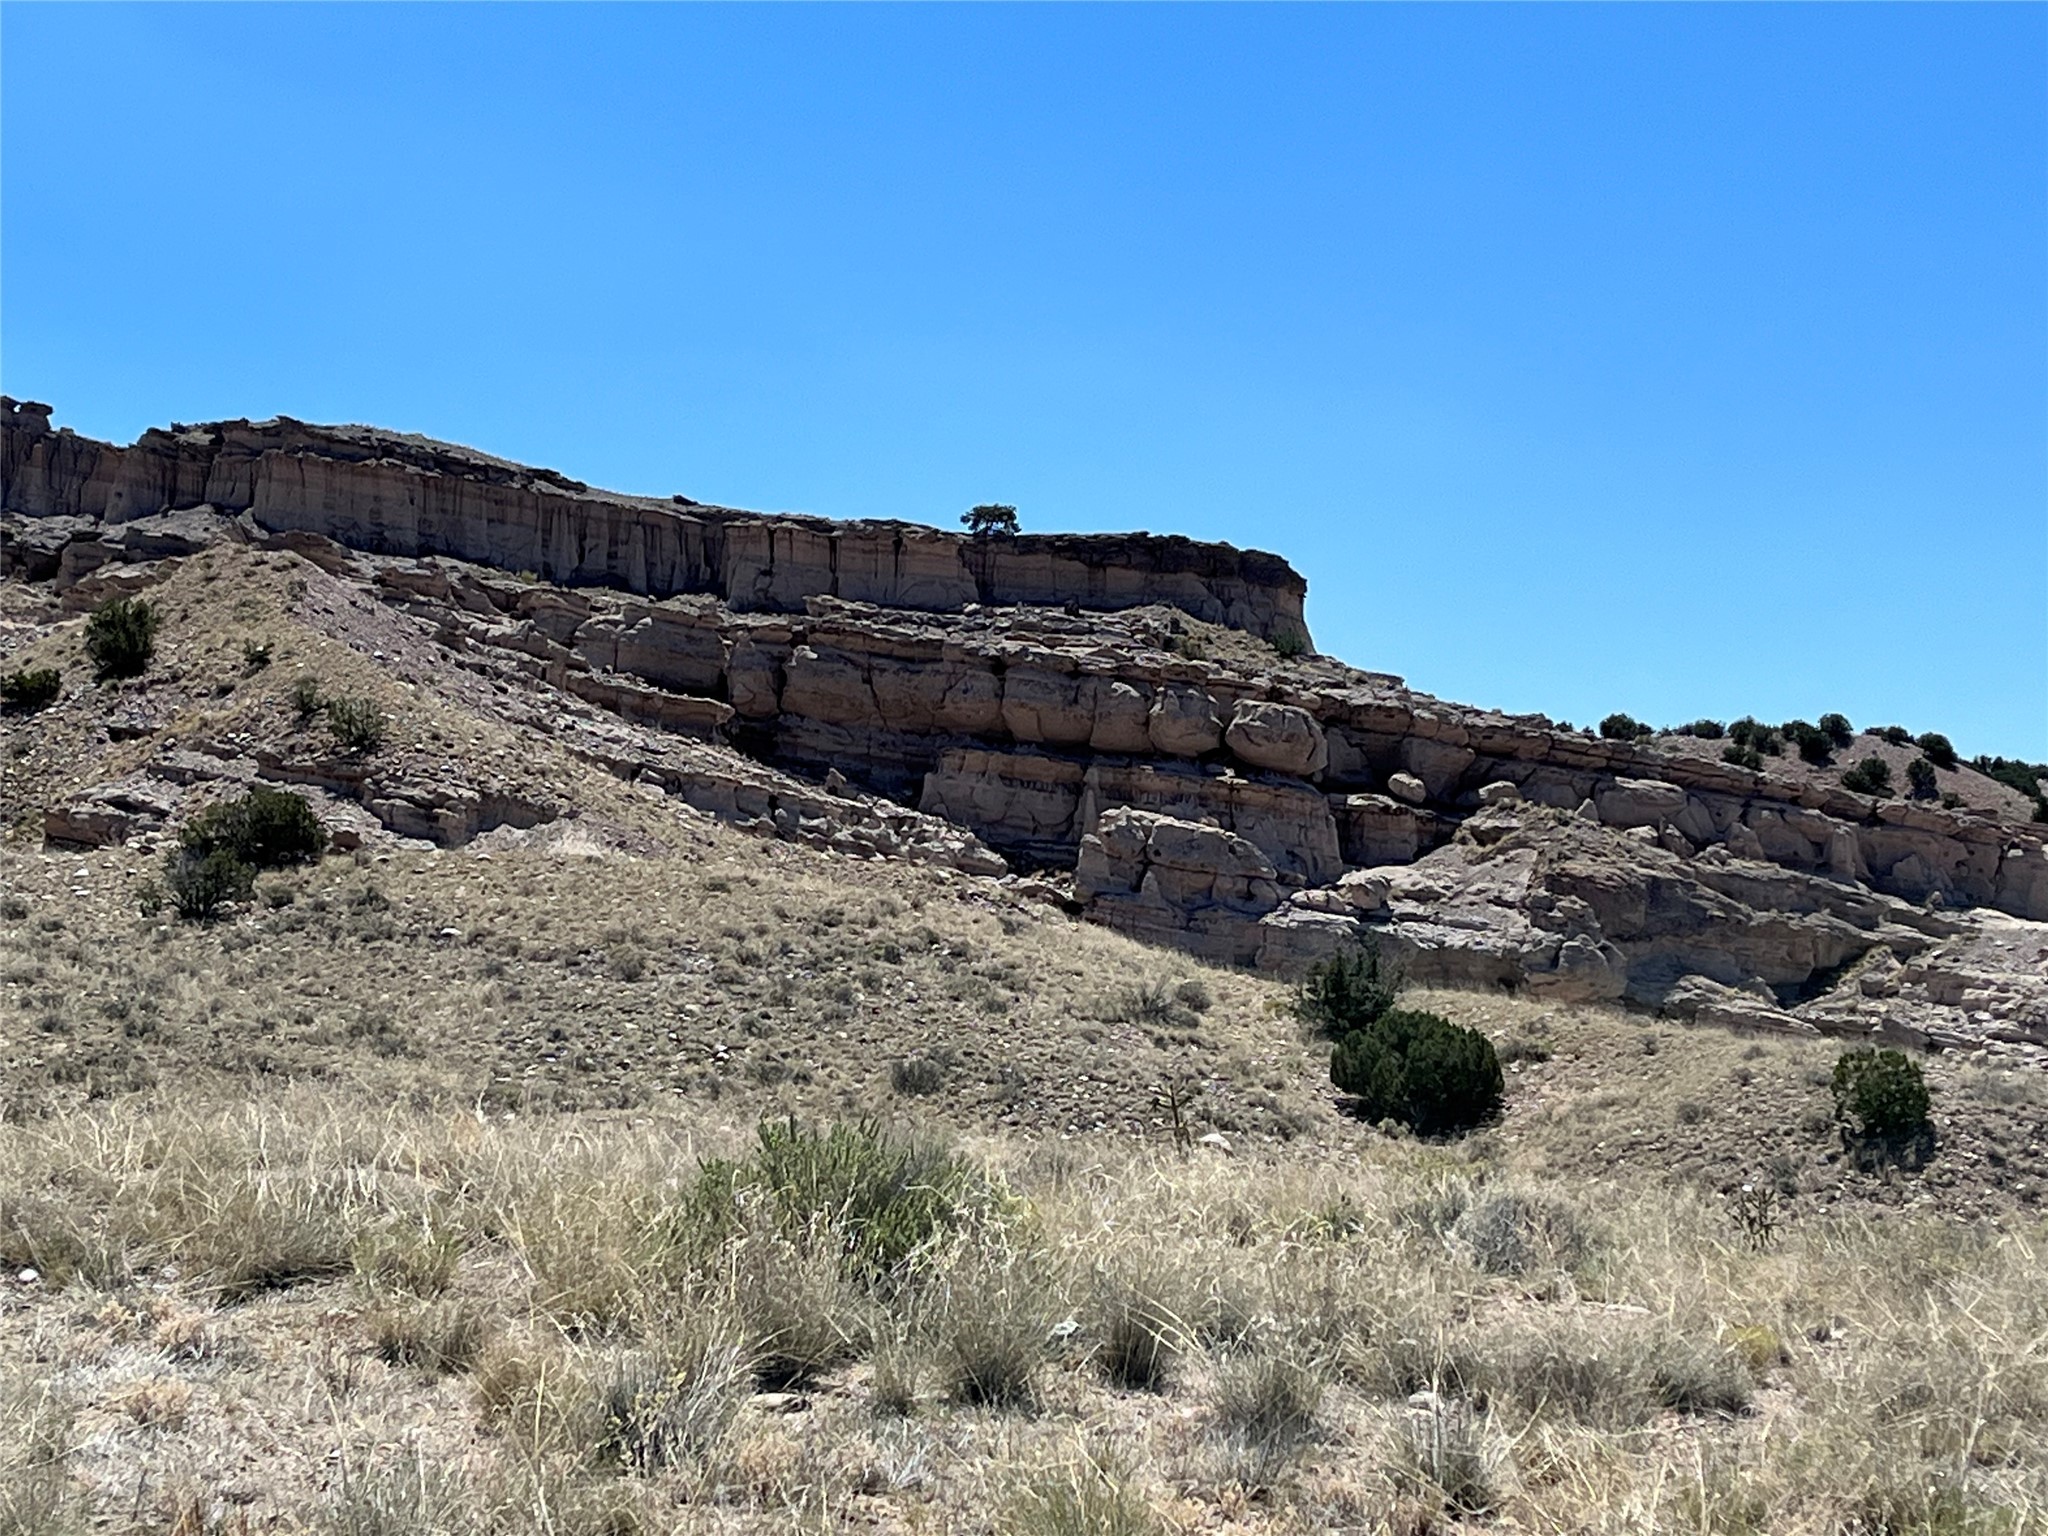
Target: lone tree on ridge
(990,517)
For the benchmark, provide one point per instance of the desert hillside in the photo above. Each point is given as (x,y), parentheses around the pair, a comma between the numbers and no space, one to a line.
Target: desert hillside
(797,1026)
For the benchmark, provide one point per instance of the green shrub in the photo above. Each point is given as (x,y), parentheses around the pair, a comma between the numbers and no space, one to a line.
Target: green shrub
(265,829)
(1812,742)
(1940,751)
(1420,1070)
(357,724)
(255,655)
(1743,757)
(1881,1102)
(884,1200)
(1897,735)
(1620,727)
(1347,992)
(200,885)
(918,1076)
(1872,776)
(1920,779)
(305,698)
(1753,733)
(1837,730)
(989,518)
(1290,643)
(1705,730)
(1880,1093)
(1951,801)
(120,637)
(2014,774)
(30,691)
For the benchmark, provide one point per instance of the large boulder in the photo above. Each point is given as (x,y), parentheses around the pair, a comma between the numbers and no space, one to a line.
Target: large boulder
(1290,823)
(1183,722)
(1277,737)
(1378,829)
(1439,765)
(1040,705)
(1123,714)
(1638,803)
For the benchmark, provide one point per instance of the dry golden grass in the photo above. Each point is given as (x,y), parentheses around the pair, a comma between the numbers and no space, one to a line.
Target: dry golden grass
(380,1207)
(1349,1348)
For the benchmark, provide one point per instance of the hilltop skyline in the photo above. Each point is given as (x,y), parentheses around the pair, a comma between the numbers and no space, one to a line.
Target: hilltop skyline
(1679,363)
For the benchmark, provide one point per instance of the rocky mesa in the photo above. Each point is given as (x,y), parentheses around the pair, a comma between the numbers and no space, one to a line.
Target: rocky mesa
(1135,726)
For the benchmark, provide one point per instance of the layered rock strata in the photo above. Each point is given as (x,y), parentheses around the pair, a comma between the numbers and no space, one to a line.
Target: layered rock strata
(398,494)
(1213,792)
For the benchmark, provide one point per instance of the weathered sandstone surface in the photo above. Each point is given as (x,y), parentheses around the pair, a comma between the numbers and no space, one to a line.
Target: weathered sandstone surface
(404,495)
(1063,707)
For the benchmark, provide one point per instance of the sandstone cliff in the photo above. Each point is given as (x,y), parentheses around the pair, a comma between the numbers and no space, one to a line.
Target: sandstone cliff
(405,495)
(1063,709)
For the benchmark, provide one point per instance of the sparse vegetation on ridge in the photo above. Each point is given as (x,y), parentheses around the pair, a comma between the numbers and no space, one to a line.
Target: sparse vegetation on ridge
(1621,727)
(1938,749)
(1872,776)
(1752,734)
(990,520)
(1815,745)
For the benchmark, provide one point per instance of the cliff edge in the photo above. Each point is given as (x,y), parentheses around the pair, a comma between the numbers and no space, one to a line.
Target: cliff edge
(397,494)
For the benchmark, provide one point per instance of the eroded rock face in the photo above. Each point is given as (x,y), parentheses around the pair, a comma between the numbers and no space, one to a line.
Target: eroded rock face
(1183,722)
(1546,902)
(1185,883)
(396,494)
(1252,808)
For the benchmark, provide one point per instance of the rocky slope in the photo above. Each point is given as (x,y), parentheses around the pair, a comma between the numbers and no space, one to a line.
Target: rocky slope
(1129,723)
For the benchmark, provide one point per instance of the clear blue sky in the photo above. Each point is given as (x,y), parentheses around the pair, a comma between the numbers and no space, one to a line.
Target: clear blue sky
(1683,360)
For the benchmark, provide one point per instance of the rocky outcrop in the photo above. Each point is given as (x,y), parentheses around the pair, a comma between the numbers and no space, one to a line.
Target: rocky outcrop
(1170,881)
(397,494)
(1203,790)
